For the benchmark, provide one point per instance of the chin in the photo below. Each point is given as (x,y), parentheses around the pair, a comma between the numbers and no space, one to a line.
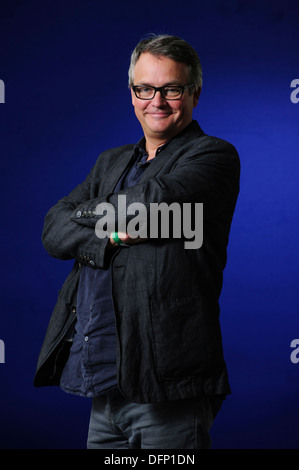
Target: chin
(162,128)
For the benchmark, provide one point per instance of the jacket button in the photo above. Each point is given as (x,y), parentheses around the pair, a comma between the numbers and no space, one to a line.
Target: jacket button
(79,214)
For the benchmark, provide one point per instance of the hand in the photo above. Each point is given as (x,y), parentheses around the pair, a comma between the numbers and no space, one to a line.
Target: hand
(124,237)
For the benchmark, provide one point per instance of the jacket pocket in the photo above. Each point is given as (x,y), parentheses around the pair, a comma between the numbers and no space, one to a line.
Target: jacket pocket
(186,338)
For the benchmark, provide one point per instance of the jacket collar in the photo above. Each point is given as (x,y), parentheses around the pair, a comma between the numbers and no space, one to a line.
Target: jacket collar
(167,151)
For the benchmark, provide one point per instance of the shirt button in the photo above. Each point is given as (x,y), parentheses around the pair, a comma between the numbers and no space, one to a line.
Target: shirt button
(86,338)
(78,215)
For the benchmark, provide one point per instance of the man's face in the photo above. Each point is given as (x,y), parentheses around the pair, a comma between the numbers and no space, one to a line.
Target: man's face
(160,118)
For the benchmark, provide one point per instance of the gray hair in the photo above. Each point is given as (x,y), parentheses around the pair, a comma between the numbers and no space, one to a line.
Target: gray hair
(172,47)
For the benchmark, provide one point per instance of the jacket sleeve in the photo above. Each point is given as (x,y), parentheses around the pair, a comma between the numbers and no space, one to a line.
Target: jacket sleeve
(64,239)
(209,176)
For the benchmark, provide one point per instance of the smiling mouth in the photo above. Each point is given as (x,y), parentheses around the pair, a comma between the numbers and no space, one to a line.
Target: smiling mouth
(159,115)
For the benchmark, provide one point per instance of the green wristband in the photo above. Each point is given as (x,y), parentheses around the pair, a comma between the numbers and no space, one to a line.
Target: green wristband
(116,238)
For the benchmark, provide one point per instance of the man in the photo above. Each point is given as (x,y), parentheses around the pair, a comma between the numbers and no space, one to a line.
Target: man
(142,318)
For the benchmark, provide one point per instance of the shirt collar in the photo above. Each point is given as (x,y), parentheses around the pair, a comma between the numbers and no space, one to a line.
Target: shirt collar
(140,152)
(141,143)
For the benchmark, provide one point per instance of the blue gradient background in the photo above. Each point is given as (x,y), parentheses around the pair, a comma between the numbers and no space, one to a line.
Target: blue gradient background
(65,70)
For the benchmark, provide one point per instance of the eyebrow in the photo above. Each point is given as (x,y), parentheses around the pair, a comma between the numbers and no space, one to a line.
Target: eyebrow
(174,83)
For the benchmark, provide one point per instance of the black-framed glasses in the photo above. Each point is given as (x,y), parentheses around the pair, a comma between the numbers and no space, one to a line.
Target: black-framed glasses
(168,92)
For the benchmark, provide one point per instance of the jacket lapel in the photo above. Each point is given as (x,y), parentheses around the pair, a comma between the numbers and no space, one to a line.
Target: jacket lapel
(170,153)
(167,157)
(116,171)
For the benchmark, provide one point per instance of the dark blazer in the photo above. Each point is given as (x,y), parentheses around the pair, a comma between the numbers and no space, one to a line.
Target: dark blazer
(169,343)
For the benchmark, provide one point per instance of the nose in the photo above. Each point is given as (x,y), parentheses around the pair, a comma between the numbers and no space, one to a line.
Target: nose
(158,99)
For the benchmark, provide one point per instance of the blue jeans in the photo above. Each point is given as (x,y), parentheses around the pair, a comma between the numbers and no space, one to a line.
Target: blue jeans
(116,423)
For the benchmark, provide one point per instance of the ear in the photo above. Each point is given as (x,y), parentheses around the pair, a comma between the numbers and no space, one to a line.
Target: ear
(196,97)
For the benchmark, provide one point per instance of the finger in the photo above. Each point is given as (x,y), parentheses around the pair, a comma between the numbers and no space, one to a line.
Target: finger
(124,237)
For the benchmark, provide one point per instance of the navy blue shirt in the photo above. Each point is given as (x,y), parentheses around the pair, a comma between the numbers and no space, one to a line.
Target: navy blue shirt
(91,366)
